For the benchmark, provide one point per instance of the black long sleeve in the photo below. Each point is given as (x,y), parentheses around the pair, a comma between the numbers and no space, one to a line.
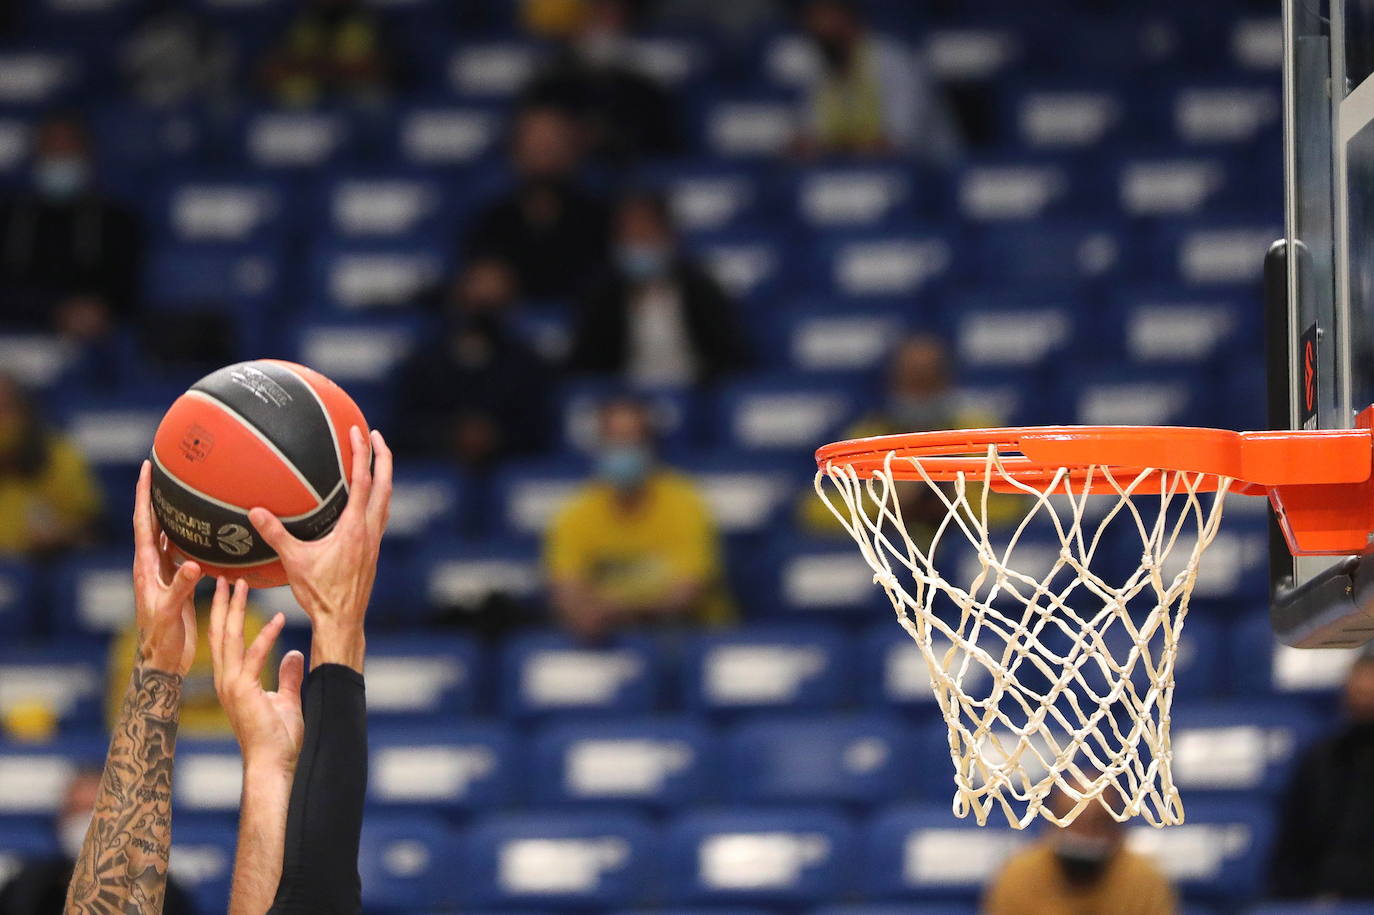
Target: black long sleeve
(325,818)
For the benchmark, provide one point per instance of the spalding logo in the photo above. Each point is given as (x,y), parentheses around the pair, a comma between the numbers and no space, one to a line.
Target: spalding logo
(234,539)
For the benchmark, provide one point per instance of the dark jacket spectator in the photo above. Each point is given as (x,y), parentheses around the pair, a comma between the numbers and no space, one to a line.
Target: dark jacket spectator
(551,231)
(333,49)
(658,317)
(595,76)
(1325,839)
(70,257)
(479,393)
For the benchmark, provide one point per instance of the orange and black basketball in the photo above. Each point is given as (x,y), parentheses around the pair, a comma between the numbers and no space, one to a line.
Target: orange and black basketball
(265,433)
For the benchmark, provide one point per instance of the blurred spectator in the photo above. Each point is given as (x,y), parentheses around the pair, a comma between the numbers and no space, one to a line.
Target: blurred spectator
(201,714)
(173,57)
(70,257)
(919,397)
(871,94)
(637,544)
(48,498)
(547,227)
(1081,867)
(332,50)
(39,887)
(1325,838)
(658,318)
(596,77)
(477,393)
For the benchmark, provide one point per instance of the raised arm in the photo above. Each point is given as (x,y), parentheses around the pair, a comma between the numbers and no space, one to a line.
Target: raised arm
(123,862)
(269,729)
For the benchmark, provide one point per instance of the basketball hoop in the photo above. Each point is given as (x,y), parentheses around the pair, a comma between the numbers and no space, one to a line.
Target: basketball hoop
(1057,671)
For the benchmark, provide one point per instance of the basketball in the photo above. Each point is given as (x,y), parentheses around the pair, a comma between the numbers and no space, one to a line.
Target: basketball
(264,433)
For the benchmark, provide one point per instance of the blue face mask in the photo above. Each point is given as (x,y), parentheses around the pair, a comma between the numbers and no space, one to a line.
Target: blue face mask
(623,466)
(642,262)
(62,177)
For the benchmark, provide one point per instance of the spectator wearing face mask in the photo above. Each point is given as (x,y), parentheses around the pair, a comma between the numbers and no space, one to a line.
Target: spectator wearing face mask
(70,257)
(1080,868)
(658,318)
(635,545)
(595,76)
(870,94)
(920,397)
(49,499)
(1325,839)
(478,393)
(39,887)
(547,227)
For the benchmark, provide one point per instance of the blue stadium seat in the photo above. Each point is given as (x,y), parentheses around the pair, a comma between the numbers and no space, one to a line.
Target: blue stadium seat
(427,500)
(921,851)
(1043,254)
(1222,114)
(213,209)
(750,264)
(446,135)
(796,856)
(387,204)
(202,860)
(405,863)
(811,576)
(783,412)
(1113,396)
(989,335)
(209,776)
(496,69)
(593,860)
(456,573)
(706,196)
(1172,186)
(442,765)
(39,361)
(67,678)
(657,762)
(547,672)
(748,126)
(1230,747)
(242,277)
(92,594)
(861,759)
(528,495)
(16,597)
(37,78)
(1209,253)
(855,196)
(1220,853)
(115,431)
(1067,116)
(1260,666)
(34,776)
(1180,327)
(295,139)
(894,674)
(881,265)
(746,496)
(22,841)
(428,674)
(841,338)
(356,276)
(997,191)
(767,667)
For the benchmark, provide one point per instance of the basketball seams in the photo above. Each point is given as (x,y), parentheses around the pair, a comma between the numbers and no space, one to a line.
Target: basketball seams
(229,506)
(328,420)
(258,434)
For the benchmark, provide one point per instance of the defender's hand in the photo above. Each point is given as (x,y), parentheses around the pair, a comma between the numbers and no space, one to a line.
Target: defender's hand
(164,596)
(331,578)
(269,726)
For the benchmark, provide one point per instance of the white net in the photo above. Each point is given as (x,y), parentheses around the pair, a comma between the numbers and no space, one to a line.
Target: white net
(1050,673)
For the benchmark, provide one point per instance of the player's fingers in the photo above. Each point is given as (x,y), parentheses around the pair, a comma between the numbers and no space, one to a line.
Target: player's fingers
(289,676)
(145,540)
(272,531)
(256,657)
(360,480)
(233,629)
(379,503)
(219,606)
(182,587)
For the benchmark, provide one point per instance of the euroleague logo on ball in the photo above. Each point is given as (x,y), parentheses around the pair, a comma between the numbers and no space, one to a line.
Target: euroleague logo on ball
(234,539)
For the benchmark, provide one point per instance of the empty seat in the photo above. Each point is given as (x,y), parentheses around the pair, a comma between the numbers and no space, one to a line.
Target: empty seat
(548,672)
(92,592)
(745,495)
(34,777)
(491,68)
(387,205)
(426,500)
(854,196)
(202,860)
(749,264)
(1115,398)
(465,574)
(749,126)
(1209,254)
(355,276)
(706,197)
(294,139)
(34,78)
(760,667)
(837,758)
(1231,746)
(998,191)
(762,857)
(406,862)
(1173,186)
(783,413)
(880,265)
(442,765)
(922,851)
(446,136)
(66,679)
(999,337)
(530,494)
(215,276)
(225,209)
(1219,853)
(22,840)
(843,339)
(894,673)
(1176,328)
(366,350)
(1262,666)
(209,776)
(552,860)
(661,762)
(812,576)
(1067,117)
(1046,253)
(1206,115)
(423,674)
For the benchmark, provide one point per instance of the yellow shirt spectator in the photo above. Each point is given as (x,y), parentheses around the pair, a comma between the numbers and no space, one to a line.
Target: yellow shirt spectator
(201,715)
(1033,883)
(637,558)
(51,506)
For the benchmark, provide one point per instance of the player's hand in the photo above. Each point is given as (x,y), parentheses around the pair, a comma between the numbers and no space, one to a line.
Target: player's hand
(331,578)
(164,596)
(268,726)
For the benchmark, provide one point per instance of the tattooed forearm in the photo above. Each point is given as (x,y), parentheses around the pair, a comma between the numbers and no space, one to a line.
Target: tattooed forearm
(123,863)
